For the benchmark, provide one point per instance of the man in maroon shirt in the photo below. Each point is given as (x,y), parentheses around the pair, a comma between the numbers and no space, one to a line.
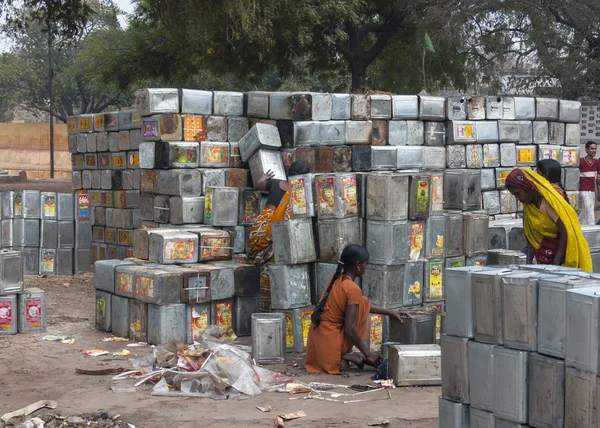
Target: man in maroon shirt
(588,181)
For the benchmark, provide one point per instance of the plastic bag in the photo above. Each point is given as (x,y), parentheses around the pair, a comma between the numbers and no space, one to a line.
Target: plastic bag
(227,364)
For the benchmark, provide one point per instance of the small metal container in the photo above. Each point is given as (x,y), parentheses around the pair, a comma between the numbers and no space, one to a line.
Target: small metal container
(409,157)
(501,174)
(487,305)
(453,415)
(548,151)
(414,365)
(197,319)
(456,156)
(462,132)
(31,311)
(11,271)
(433,158)
(170,247)
(493,108)
(418,327)
(524,108)
(332,133)
(525,131)
(214,155)
(582,328)
(8,315)
(381,106)
(301,196)
(154,285)
(120,316)
(64,261)
(459,305)
(508,202)
(405,107)
(237,127)
(456,108)
(311,106)
(361,107)
(580,398)
(244,308)
(572,134)
(293,242)
(297,325)
(455,370)
(176,154)
(510,379)
(151,101)
(65,207)
(462,189)
(569,156)
(480,368)
(103,311)
(340,106)
(179,182)
(265,160)
(570,179)
(383,158)
(334,235)
(218,205)
(540,132)
(49,234)
(476,108)
(526,155)
(387,197)
(268,338)
(508,131)
(476,233)
(432,108)
(491,155)
(186,210)
(387,245)
(82,260)
(380,285)
(406,133)
(434,134)
(335,195)
(569,111)
(166,323)
(138,321)
(546,109)
(290,286)
(491,202)
(433,281)
(280,105)
(358,132)
(453,238)
(260,137)
(474,156)
(546,391)
(556,133)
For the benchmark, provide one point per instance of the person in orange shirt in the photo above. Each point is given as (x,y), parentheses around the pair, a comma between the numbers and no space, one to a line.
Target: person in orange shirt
(340,319)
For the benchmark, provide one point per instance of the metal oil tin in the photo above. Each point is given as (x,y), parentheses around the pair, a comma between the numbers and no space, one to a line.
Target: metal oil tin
(435,228)
(358,132)
(314,106)
(249,206)
(455,370)
(260,137)
(433,158)
(461,132)
(418,327)
(166,323)
(235,159)
(434,134)
(405,107)
(481,418)
(31,311)
(212,178)
(526,155)
(569,111)
(7,233)
(459,305)
(218,205)
(179,182)
(228,103)
(476,108)
(480,367)
(280,105)
(186,210)
(569,156)
(297,325)
(383,158)
(103,311)
(493,107)
(491,202)
(510,379)
(301,192)
(214,155)
(290,286)
(83,234)
(332,132)
(456,108)
(336,195)
(120,316)
(491,155)
(453,237)
(540,132)
(456,156)
(580,398)
(409,157)
(546,391)
(155,285)
(237,127)
(556,133)
(414,365)
(474,156)
(419,196)
(524,108)
(487,302)
(170,247)
(386,242)
(82,260)
(49,234)
(432,108)
(508,131)
(340,106)
(213,245)
(216,128)
(265,160)
(361,107)
(176,154)
(462,189)
(573,199)
(433,280)
(381,106)
(570,179)
(387,197)
(406,133)
(508,202)
(546,109)
(8,315)
(197,319)
(26,232)
(582,328)
(572,134)
(268,338)
(293,242)
(487,131)
(508,108)
(155,100)
(138,321)
(361,158)
(31,260)
(380,285)
(548,151)
(475,233)
(11,271)
(244,308)
(334,235)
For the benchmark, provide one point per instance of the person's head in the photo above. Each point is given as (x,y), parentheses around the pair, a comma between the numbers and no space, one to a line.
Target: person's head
(299,167)
(550,170)
(521,187)
(590,148)
(354,258)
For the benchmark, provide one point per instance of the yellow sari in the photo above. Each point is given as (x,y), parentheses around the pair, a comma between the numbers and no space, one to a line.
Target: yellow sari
(541,230)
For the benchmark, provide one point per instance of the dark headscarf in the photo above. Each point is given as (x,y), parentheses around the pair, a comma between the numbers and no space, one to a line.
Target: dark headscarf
(517,179)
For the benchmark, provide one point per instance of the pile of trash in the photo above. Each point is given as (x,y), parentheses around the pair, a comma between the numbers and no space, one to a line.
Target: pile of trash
(215,367)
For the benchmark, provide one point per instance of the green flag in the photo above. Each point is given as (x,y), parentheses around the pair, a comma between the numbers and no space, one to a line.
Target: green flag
(428,43)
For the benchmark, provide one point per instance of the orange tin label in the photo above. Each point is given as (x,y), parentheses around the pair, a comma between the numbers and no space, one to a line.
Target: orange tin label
(224,315)
(417,236)
(298,193)
(376,332)
(179,250)
(349,187)
(325,190)
(144,286)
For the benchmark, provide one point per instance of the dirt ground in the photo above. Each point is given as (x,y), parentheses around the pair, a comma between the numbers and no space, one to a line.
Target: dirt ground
(32,370)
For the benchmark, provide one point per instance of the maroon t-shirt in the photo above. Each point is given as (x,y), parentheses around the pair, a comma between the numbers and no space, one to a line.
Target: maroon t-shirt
(589,174)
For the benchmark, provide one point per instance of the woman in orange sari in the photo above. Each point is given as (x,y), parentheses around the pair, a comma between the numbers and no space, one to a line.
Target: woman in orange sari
(340,319)
(260,238)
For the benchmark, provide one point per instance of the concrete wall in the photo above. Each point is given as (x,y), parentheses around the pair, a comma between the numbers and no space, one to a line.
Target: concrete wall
(26,146)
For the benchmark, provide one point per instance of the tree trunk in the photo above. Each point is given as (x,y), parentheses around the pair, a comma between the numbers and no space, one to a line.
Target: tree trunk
(359,73)
(51,95)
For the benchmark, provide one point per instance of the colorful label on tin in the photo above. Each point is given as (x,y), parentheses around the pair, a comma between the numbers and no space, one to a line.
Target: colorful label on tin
(125,237)
(77,161)
(179,250)
(111,120)
(106,198)
(525,155)
(375,332)
(251,208)
(85,123)
(199,322)
(215,154)
(104,161)
(235,155)
(350,201)
(6,311)
(17,204)
(48,261)
(422,197)
(193,128)
(463,131)
(325,188)
(123,282)
(133,159)
(457,263)
(100,310)
(208,206)
(149,182)
(224,315)
(72,124)
(437,193)
(416,289)
(99,120)
(549,153)
(33,313)
(214,247)
(479,263)
(150,128)
(49,206)
(91,161)
(144,286)
(118,161)
(102,252)
(438,248)
(569,156)
(298,193)
(289,330)
(417,235)
(185,155)
(306,319)
(435,280)
(502,177)
(83,206)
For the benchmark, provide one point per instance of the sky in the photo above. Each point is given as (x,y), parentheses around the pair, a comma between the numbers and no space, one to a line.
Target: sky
(125,5)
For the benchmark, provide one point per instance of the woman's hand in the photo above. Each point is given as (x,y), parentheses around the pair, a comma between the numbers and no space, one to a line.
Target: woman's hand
(372,359)
(262,181)
(399,315)
(559,259)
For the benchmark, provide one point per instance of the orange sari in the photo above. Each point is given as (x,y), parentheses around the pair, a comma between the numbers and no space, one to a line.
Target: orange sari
(328,343)
(260,241)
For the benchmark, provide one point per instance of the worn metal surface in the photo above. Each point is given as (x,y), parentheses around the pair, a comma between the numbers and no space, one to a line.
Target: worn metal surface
(293,241)
(480,367)
(290,286)
(387,244)
(455,369)
(414,365)
(510,379)
(387,197)
(268,338)
(31,306)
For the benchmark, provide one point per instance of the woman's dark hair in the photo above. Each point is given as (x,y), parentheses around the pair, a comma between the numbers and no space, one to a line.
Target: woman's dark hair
(351,254)
(299,167)
(550,169)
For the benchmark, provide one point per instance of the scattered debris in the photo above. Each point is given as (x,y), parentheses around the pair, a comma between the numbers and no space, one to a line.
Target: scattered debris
(25,411)
(122,353)
(101,371)
(52,338)
(264,408)
(95,352)
(99,420)
(133,345)
(280,419)
(117,339)
(378,422)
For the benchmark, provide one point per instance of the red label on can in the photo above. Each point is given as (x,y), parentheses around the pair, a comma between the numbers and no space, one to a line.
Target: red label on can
(33,313)
(6,311)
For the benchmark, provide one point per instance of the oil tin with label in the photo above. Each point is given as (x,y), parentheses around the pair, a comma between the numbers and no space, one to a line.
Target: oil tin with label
(218,204)
(214,155)
(11,271)
(111,121)
(491,155)
(197,319)
(549,152)
(383,158)
(487,305)
(176,154)
(412,284)
(435,228)
(491,202)
(453,237)
(293,242)
(179,182)
(510,379)
(268,338)
(546,391)
(166,323)
(8,315)
(171,247)
(222,313)
(455,370)
(387,244)
(212,178)
(456,156)
(120,316)
(265,160)
(476,108)
(419,196)
(556,133)
(476,233)
(77,162)
(358,132)
(433,282)
(213,245)
(155,286)
(260,137)
(569,111)
(301,196)
(381,287)
(297,325)
(474,156)
(290,286)
(138,321)
(31,311)
(462,189)
(459,305)
(49,234)
(480,368)
(414,365)
(501,174)
(569,156)
(103,311)
(406,133)
(461,132)
(335,195)
(526,155)
(105,275)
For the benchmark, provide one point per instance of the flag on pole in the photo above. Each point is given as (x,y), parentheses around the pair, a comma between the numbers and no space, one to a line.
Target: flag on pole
(428,43)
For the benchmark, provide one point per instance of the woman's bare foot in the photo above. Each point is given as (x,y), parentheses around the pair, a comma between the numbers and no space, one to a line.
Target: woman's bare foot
(355,359)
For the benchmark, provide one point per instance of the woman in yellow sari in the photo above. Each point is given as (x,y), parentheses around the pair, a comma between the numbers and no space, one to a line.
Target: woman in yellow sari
(550,224)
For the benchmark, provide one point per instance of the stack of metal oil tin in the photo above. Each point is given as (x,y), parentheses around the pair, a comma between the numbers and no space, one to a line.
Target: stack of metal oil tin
(51,230)
(489,136)
(105,163)
(520,347)
(22,310)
